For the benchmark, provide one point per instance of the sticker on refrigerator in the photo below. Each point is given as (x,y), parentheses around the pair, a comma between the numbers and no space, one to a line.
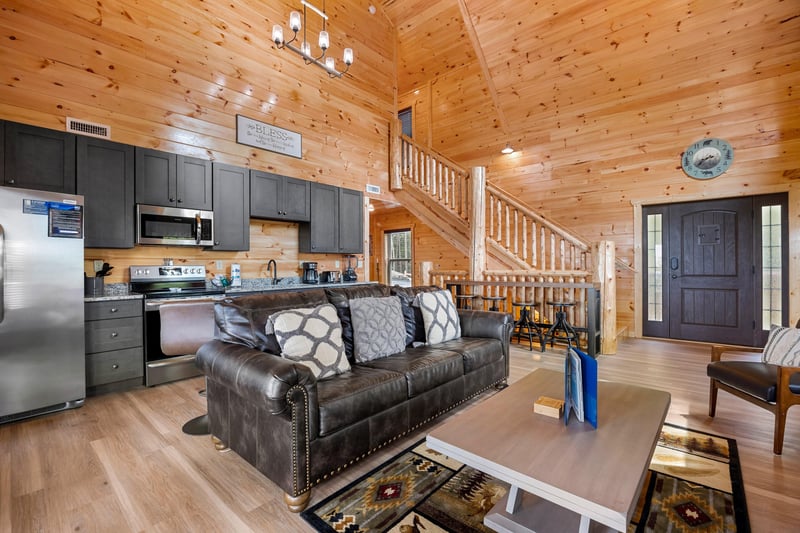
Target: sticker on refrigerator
(65,220)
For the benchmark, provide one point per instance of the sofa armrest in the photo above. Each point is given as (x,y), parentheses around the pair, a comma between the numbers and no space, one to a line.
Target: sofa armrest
(488,324)
(260,377)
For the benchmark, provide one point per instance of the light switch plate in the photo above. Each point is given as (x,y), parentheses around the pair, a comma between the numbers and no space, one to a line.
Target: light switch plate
(98,265)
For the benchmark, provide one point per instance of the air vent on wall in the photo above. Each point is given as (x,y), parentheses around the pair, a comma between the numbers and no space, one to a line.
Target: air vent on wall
(83,127)
(374,189)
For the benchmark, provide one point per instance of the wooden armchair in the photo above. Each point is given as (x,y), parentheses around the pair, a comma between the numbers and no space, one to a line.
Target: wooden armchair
(773,387)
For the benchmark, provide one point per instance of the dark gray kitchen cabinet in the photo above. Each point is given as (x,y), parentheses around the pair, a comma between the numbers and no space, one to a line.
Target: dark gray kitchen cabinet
(231,208)
(114,345)
(173,180)
(105,178)
(38,158)
(337,223)
(351,221)
(279,197)
(321,234)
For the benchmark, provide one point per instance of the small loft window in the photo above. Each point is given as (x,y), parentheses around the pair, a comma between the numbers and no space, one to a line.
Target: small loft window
(405,119)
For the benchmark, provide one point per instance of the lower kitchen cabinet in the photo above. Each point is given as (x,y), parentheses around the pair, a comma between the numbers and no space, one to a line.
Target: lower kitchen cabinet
(114,345)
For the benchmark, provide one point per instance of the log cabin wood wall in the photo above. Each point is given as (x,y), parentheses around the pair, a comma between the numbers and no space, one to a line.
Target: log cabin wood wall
(426,245)
(600,100)
(174,75)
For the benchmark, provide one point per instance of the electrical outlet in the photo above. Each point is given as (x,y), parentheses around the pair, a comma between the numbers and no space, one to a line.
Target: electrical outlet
(218,264)
(360,263)
(98,265)
(336,263)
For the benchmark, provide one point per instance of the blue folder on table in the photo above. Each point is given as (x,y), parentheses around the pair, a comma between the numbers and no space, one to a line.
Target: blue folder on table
(580,386)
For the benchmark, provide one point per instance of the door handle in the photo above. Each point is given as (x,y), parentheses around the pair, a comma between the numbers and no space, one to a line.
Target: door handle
(673,263)
(199,227)
(2,273)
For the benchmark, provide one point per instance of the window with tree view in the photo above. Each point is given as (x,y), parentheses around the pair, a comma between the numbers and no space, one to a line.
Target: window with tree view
(398,258)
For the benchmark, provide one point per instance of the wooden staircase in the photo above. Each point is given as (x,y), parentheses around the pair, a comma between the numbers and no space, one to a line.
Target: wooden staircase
(439,192)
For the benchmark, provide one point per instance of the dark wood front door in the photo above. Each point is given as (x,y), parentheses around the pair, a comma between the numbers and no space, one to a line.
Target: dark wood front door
(710,271)
(703,277)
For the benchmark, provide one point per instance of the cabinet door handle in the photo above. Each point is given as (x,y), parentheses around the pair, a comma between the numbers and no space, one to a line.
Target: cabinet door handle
(12,180)
(180,200)
(115,366)
(114,334)
(171,200)
(113,310)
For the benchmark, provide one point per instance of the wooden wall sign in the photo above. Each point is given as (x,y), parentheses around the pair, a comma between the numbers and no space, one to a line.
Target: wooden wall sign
(267,137)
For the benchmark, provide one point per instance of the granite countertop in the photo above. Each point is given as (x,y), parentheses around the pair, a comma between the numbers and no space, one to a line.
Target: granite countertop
(121,291)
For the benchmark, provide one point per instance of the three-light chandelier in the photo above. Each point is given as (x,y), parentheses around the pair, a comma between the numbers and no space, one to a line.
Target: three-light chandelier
(327,63)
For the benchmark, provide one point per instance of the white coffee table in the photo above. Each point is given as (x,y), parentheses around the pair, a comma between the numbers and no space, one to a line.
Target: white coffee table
(563,478)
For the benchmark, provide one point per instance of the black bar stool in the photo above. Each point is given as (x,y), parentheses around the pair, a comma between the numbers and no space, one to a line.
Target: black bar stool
(525,325)
(561,323)
(464,301)
(495,300)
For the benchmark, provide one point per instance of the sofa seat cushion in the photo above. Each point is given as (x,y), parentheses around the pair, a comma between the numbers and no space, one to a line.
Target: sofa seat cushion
(425,367)
(356,395)
(477,352)
(755,378)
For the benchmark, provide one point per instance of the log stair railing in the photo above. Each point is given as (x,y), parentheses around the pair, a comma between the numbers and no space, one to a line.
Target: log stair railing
(438,191)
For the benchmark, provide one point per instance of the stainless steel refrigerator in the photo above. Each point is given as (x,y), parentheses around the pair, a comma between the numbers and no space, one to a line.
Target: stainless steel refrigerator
(42,360)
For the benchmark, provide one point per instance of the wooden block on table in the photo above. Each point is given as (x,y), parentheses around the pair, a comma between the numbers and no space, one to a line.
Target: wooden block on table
(549,406)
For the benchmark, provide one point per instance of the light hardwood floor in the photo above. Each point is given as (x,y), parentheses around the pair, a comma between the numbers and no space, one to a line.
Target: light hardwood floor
(121,463)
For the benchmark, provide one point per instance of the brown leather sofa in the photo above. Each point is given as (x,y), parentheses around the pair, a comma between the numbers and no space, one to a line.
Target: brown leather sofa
(298,431)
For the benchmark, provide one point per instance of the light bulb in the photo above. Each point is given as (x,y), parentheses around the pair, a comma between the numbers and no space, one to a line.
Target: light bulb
(330,63)
(305,48)
(324,40)
(294,20)
(277,34)
(507,149)
(347,57)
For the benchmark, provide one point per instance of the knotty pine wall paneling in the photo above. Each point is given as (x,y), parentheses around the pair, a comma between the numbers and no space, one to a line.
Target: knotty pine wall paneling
(426,244)
(174,75)
(601,100)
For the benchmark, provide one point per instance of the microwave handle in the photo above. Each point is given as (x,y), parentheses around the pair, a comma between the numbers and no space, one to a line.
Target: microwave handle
(199,230)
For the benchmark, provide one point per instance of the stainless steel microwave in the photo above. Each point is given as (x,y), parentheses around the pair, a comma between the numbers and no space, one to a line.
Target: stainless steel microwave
(174,226)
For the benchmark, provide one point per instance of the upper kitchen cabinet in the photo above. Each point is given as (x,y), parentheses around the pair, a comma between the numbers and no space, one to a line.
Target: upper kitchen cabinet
(231,208)
(279,197)
(351,221)
(38,158)
(105,178)
(337,222)
(173,180)
(321,234)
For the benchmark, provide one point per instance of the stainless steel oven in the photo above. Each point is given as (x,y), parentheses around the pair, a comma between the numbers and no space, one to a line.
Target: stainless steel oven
(162,284)
(174,226)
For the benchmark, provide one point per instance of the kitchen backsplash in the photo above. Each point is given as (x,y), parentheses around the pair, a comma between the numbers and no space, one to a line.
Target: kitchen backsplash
(268,240)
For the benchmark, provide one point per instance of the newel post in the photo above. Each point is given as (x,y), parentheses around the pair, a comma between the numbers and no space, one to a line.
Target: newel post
(605,274)
(477,259)
(395,154)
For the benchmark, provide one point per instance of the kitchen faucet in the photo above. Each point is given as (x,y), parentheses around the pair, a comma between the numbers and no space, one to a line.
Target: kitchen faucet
(274,266)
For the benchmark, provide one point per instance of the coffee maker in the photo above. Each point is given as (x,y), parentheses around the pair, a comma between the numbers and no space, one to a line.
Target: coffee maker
(310,274)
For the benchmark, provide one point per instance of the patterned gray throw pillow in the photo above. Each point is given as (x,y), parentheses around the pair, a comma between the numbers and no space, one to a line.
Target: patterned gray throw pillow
(378,327)
(440,316)
(311,336)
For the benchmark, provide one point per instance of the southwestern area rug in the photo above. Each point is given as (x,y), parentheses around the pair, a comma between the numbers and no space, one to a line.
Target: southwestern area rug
(694,484)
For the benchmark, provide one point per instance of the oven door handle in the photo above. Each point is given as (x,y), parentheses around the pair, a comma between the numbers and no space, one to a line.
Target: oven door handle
(199,227)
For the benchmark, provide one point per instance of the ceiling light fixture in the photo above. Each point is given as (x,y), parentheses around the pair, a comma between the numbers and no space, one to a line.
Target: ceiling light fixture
(326,63)
(507,149)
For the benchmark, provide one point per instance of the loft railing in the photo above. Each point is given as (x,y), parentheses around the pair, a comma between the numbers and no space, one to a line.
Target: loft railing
(443,180)
(530,238)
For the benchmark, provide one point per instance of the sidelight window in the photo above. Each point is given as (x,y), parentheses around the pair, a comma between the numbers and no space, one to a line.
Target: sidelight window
(771,266)
(655,281)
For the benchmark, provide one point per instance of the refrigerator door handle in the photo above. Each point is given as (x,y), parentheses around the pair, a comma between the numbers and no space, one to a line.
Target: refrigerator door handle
(2,273)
